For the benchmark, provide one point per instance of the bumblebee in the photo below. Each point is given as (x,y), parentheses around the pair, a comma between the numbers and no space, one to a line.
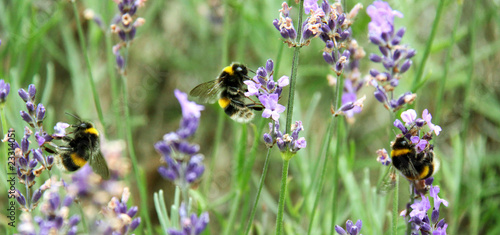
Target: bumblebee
(81,148)
(413,165)
(416,167)
(229,90)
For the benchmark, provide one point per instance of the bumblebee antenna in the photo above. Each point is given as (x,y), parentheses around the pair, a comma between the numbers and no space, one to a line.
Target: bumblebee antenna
(70,114)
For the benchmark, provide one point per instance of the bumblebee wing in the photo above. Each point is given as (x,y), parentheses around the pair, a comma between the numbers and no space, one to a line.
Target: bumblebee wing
(387,182)
(99,165)
(207,92)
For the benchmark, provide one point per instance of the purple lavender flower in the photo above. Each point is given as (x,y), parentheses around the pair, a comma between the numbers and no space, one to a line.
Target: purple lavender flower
(184,164)
(267,90)
(383,157)
(285,25)
(4,90)
(394,57)
(118,217)
(310,6)
(351,228)
(192,225)
(291,143)
(126,27)
(413,127)
(419,218)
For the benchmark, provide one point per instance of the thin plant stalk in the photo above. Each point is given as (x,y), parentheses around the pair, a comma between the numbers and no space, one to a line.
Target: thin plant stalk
(141,182)
(89,67)
(428,46)
(335,180)
(289,115)
(261,184)
(281,205)
(395,211)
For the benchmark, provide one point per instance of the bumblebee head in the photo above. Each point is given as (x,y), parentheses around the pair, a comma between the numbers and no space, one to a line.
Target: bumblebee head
(239,69)
(83,125)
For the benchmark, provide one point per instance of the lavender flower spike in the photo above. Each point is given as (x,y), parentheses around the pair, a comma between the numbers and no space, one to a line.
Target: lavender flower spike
(192,225)
(4,90)
(351,229)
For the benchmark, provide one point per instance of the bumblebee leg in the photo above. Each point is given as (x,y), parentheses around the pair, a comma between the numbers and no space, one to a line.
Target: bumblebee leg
(257,107)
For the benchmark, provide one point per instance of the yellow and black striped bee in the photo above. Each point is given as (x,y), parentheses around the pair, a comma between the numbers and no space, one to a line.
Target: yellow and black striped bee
(82,147)
(416,167)
(229,90)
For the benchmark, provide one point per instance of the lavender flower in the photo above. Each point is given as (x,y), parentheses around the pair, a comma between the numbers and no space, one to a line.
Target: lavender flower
(419,219)
(285,25)
(413,126)
(351,228)
(383,157)
(118,218)
(290,144)
(126,26)
(394,57)
(4,91)
(55,217)
(191,225)
(267,90)
(184,164)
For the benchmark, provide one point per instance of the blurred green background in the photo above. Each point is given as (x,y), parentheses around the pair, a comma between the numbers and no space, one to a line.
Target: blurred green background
(187,42)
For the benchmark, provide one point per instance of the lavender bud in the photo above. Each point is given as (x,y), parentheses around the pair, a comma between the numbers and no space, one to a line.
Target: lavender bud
(25,144)
(401,32)
(133,10)
(341,19)
(396,55)
(32,91)
(269,66)
(420,122)
(345,34)
(405,66)
(276,24)
(284,33)
(386,37)
(40,112)
(374,72)
(31,107)
(339,66)
(31,176)
(375,58)
(325,28)
(74,220)
(380,96)
(394,82)
(346,54)
(292,33)
(307,34)
(23,162)
(120,61)
(329,44)
(132,211)
(376,40)
(325,7)
(331,24)
(328,58)
(20,198)
(393,103)
(54,201)
(36,196)
(67,201)
(32,164)
(359,224)
(429,181)
(395,41)
(59,221)
(122,35)
(410,53)
(23,94)
(388,64)
(281,144)
(354,230)
(271,85)
(340,230)
(268,139)
(50,160)
(425,227)
(385,51)
(440,224)
(135,223)
(347,107)
(435,216)
(131,33)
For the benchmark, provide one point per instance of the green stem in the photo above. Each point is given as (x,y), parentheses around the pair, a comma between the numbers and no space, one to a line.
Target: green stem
(440,96)
(428,46)
(323,171)
(141,183)
(89,67)
(281,204)
(84,222)
(335,180)
(293,75)
(395,213)
(261,184)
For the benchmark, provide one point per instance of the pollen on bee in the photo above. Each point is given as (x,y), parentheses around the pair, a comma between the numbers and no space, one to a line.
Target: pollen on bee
(224,102)
(92,131)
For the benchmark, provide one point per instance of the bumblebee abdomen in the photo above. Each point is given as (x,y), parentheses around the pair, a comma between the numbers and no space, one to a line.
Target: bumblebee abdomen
(239,114)
(72,161)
